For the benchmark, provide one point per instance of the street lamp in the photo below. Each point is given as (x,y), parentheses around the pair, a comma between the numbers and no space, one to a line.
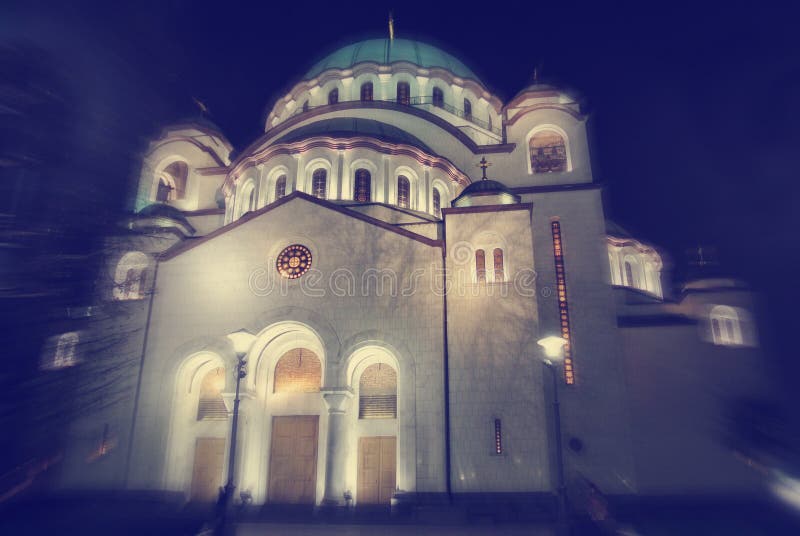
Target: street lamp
(554,353)
(242,342)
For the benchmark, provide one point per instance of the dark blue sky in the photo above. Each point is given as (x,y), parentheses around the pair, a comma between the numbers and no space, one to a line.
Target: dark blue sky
(694,108)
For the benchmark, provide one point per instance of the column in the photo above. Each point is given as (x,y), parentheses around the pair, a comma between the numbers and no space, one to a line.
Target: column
(338,401)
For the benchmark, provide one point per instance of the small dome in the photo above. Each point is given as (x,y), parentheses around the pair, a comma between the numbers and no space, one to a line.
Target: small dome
(387,51)
(486,192)
(160,211)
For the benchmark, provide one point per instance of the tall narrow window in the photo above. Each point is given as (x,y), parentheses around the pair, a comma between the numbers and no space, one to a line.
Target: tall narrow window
(438,97)
(548,152)
(480,266)
(403,93)
(498,436)
(403,191)
(437,203)
(333,96)
(251,200)
(280,187)
(377,392)
(499,272)
(211,405)
(319,184)
(362,186)
(366,91)
(563,307)
(305,106)
(468,109)
(490,121)
(629,280)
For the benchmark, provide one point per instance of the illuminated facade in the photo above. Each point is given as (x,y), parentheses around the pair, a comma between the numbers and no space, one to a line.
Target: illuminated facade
(394,296)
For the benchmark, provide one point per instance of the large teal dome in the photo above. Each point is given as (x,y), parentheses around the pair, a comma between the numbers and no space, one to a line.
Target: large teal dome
(386,51)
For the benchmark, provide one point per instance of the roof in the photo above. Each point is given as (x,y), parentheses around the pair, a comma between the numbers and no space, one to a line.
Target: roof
(386,51)
(161,210)
(485,187)
(346,127)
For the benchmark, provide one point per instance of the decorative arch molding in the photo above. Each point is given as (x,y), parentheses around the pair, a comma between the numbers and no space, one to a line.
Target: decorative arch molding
(544,128)
(305,184)
(360,345)
(414,183)
(158,175)
(242,198)
(271,179)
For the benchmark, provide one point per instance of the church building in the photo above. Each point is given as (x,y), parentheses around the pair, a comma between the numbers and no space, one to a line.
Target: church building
(382,263)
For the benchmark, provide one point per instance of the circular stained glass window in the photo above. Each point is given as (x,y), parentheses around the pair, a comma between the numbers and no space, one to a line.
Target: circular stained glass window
(293,261)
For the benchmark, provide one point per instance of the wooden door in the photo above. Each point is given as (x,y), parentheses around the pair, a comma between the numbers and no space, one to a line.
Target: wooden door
(209,455)
(377,460)
(293,460)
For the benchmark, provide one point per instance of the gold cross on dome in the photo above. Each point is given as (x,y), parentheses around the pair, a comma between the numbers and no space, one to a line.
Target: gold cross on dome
(483,164)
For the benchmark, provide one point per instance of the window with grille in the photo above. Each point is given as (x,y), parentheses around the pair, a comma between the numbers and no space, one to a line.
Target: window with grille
(438,97)
(333,96)
(298,371)
(403,191)
(280,187)
(548,152)
(437,203)
(403,93)
(319,183)
(377,392)
(366,91)
(211,405)
(480,266)
(362,186)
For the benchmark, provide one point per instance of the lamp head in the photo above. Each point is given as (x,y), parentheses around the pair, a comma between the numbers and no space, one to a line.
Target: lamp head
(242,341)
(553,347)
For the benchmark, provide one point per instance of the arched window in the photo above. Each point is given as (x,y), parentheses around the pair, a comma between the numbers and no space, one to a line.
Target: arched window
(437,203)
(499,272)
(305,106)
(468,109)
(177,172)
(280,187)
(725,326)
(298,371)
(630,281)
(211,405)
(403,93)
(548,152)
(438,97)
(319,183)
(362,186)
(480,266)
(403,191)
(377,392)
(333,96)
(251,201)
(366,91)
(130,276)
(490,121)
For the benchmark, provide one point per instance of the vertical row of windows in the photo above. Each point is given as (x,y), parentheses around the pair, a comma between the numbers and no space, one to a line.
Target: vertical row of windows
(498,436)
(563,307)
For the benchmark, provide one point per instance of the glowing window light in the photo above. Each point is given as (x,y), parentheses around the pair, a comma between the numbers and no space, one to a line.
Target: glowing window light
(498,436)
(563,306)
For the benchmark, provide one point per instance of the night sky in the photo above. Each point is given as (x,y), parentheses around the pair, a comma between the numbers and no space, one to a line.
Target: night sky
(693,108)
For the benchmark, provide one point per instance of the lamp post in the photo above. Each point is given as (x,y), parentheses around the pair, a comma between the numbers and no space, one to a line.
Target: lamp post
(554,352)
(242,342)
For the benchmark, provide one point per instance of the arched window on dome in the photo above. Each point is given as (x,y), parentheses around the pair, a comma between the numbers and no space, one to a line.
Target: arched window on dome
(280,187)
(725,326)
(130,276)
(363,186)
(499,271)
(377,392)
(333,96)
(172,182)
(467,109)
(480,266)
(403,93)
(403,191)
(305,106)
(211,405)
(437,203)
(438,97)
(319,183)
(548,152)
(366,91)
(298,371)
